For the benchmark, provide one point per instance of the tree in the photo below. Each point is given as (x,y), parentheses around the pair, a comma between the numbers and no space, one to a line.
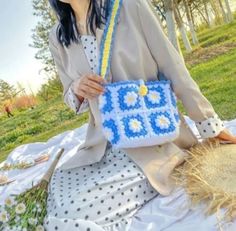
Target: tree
(7,91)
(190,21)
(216,11)
(47,19)
(51,89)
(182,29)
(201,6)
(223,11)
(229,12)
(159,7)
(205,4)
(170,23)
(44,92)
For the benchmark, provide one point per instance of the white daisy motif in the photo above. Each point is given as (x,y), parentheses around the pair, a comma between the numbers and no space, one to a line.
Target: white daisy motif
(20,208)
(9,202)
(39,228)
(4,217)
(162,121)
(108,133)
(154,97)
(8,228)
(130,98)
(32,221)
(17,219)
(135,125)
(102,101)
(39,207)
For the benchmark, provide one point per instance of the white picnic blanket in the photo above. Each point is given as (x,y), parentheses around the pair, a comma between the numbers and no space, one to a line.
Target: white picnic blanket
(171,213)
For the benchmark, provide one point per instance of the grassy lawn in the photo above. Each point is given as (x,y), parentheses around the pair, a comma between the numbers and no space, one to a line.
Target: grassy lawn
(37,125)
(219,34)
(217,80)
(212,65)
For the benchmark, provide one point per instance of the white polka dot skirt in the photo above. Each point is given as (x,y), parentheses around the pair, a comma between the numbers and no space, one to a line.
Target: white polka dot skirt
(101,196)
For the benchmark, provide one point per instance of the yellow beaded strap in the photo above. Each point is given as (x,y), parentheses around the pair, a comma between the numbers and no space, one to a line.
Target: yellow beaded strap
(107,44)
(108,38)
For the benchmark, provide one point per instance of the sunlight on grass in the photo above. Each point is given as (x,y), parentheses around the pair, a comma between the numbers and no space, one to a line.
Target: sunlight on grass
(37,125)
(217,80)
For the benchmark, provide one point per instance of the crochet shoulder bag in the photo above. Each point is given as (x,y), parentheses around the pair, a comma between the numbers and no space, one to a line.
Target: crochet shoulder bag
(134,113)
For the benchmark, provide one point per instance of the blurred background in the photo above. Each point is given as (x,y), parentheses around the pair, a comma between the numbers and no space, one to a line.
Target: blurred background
(31,105)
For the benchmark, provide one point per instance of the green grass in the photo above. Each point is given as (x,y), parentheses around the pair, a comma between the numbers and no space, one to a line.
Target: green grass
(219,34)
(217,80)
(216,76)
(39,124)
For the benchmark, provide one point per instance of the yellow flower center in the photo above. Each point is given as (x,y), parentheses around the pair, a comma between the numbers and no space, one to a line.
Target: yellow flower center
(8,201)
(130,99)
(162,121)
(135,124)
(154,96)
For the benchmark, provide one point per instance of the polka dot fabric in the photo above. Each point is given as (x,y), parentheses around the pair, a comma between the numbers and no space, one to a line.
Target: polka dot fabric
(90,47)
(101,196)
(211,127)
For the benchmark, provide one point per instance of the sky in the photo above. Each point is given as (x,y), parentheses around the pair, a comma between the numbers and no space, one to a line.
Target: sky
(17,62)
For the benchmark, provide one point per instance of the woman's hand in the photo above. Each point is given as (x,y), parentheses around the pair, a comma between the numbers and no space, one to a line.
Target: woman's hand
(88,86)
(226,136)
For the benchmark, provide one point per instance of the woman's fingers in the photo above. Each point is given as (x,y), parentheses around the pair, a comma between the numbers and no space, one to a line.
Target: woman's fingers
(95,86)
(92,85)
(90,90)
(89,86)
(96,78)
(86,95)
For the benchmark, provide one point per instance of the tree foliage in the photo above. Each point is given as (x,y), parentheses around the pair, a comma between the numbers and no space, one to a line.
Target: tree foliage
(51,89)
(47,19)
(7,91)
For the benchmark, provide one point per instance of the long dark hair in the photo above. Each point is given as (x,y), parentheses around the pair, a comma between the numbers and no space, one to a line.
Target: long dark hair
(67,31)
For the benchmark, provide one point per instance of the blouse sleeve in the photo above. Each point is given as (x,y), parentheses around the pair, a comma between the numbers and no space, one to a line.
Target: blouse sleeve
(211,127)
(75,104)
(70,98)
(171,64)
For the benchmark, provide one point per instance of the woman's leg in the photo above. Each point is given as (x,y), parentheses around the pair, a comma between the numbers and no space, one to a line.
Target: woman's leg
(107,193)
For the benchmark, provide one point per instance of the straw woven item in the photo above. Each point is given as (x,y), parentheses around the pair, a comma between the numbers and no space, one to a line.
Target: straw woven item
(209,176)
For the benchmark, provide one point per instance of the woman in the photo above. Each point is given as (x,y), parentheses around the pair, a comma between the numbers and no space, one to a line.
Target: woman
(101,188)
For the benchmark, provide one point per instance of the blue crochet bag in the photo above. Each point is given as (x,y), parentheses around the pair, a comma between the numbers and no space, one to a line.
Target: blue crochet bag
(134,113)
